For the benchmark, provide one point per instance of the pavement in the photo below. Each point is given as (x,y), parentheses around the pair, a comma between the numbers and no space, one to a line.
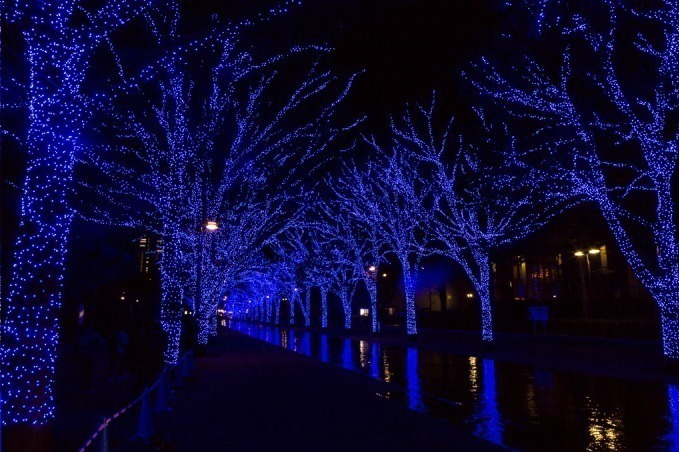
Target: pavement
(250,395)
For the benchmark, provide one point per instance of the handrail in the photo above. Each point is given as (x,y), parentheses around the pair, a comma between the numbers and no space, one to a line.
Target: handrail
(106,421)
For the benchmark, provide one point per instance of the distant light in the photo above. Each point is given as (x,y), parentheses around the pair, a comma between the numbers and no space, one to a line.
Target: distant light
(384,275)
(594,251)
(211,226)
(470,295)
(372,268)
(579,254)
(363,312)
(186,312)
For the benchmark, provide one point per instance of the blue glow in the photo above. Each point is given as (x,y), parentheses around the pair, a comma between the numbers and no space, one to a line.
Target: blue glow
(672,437)
(375,360)
(413,381)
(347,355)
(489,423)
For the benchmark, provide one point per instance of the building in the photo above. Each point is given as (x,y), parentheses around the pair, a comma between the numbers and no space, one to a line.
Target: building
(573,267)
(148,251)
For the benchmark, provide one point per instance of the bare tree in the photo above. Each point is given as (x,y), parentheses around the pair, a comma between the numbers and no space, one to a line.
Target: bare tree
(613,136)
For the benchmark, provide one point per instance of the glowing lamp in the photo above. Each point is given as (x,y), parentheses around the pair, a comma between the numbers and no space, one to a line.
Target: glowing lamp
(594,251)
(579,254)
(211,226)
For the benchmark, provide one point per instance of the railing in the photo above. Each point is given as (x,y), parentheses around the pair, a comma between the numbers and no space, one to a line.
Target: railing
(161,386)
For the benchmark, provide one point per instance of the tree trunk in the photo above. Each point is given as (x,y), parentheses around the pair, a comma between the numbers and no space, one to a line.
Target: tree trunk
(30,333)
(669,313)
(291,300)
(371,285)
(203,330)
(269,308)
(484,291)
(171,297)
(346,305)
(307,308)
(409,283)
(324,307)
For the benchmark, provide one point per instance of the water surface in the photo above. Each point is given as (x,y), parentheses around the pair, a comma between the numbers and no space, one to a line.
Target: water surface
(517,406)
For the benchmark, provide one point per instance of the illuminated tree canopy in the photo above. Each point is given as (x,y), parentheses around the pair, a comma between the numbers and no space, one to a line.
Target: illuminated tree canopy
(609,133)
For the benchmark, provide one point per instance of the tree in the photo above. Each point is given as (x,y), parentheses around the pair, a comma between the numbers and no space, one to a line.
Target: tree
(215,154)
(388,198)
(59,40)
(361,244)
(611,134)
(484,200)
(233,253)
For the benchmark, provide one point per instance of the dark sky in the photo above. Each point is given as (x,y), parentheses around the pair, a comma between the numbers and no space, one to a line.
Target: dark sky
(407,48)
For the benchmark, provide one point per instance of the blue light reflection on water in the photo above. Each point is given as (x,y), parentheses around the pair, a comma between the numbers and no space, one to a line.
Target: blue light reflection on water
(673,436)
(518,406)
(413,381)
(489,424)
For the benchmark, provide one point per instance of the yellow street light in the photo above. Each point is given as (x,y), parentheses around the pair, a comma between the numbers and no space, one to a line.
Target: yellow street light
(594,251)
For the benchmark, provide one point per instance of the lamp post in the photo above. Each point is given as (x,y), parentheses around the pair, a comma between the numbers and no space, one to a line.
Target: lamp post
(586,280)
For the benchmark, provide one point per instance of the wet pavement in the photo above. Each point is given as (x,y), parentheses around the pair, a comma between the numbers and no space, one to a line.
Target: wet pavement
(525,394)
(251,395)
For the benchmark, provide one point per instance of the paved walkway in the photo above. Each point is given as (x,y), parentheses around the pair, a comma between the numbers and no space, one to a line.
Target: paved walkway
(249,395)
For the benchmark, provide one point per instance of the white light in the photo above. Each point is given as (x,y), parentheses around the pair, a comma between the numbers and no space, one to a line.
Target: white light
(211,226)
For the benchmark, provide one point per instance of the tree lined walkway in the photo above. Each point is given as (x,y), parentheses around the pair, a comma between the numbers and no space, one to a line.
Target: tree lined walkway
(250,395)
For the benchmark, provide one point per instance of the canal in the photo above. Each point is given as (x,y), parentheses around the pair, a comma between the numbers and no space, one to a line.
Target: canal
(517,406)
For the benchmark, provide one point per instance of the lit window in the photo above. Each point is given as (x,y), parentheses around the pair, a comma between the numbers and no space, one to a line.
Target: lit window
(363,312)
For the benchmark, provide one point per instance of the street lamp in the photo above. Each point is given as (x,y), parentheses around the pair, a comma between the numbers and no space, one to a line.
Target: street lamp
(586,288)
